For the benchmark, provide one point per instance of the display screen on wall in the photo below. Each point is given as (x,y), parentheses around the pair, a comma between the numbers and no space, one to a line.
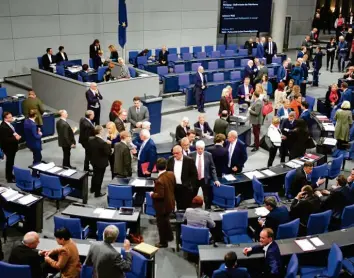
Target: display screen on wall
(245,16)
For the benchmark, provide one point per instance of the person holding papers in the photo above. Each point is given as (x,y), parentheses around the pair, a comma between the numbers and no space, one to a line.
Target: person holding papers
(237,153)
(122,156)
(9,144)
(48,60)
(93,98)
(147,154)
(33,137)
(87,130)
(61,55)
(344,120)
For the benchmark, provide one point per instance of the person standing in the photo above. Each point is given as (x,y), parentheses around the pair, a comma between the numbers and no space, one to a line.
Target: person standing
(237,154)
(317,65)
(200,84)
(276,138)
(255,111)
(260,48)
(93,98)
(270,50)
(66,139)
(342,51)
(163,198)
(344,120)
(220,154)
(33,137)
(114,137)
(221,124)
(94,48)
(147,154)
(9,144)
(121,121)
(137,114)
(115,109)
(99,152)
(122,156)
(186,176)
(33,103)
(339,26)
(87,130)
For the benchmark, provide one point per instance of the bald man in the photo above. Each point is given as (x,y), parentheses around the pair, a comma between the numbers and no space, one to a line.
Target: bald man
(200,84)
(93,98)
(26,254)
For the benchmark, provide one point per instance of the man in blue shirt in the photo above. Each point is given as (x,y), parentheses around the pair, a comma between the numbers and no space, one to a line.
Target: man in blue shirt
(342,51)
(229,269)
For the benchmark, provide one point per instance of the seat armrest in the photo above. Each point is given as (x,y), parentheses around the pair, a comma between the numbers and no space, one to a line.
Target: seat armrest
(134,195)
(252,231)
(65,186)
(84,229)
(127,232)
(8,217)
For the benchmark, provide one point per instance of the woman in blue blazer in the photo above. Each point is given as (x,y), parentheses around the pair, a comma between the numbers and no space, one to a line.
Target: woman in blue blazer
(297,74)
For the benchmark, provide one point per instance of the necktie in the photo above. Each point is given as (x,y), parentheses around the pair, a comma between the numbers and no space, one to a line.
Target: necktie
(200,168)
(137,110)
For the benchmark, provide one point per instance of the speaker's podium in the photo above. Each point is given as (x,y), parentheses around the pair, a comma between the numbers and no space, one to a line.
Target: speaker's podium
(154,105)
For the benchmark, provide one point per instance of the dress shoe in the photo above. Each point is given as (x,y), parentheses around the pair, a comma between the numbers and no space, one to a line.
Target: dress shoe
(160,245)
(254,150)
(92,191)
(72,167)
(100,195)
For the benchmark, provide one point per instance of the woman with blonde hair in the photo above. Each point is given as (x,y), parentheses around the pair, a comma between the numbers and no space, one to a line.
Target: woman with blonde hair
(344,120)
(279,97)
(113,136)
(182,129)
(260,90)
(114,53)
(224,101)
(275,136)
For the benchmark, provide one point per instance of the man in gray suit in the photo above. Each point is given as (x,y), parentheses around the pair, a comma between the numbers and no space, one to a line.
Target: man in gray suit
(105,259)
(122,156)
(206,171)
(256,119)
(221,125)
(137,114)
(261,71)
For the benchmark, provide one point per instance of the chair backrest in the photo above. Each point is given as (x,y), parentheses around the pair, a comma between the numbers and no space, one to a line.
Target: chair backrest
(195,66)
(293,267)
(51,186)
(197,49)
(192,237)
(318,222)
(183,81)
(229,64)
(221,48)
(335,259)
(224,196)
(100,73)
(91,63)
(142,60)
(3,93)
(157,52)
(179,68)
(149,210)
(11,271)
(24,179)
(172,50)
(132,55)
(242,52)
(184,49)
(209,49)
(187,56)
(270,72)
(235,223)
(232,47)
(215,54)
(40,63)
(347,220)
(319,172)
(258,191)
(288,230)
(201,55)
(218,77)
(122,227)
(335,167)
(72,224)
(235,75)
(60,70)
(229,53)
(79,78)
(276,60)
(138,267)
(244,62)
(172,57)
(132,72)
(263,59)
(288,180)
(311,101)
(254,52)
(213,65)
(86,271)
(120,196)
(162,70)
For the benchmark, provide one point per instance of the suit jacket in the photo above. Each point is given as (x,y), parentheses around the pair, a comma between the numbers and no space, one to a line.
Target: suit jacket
(220,158)
(299,181)
(305,71)
(306,116)
(206,127)
(248,72)
(33,139)
(274,46)
(303,208)
(8,142)
(33,104)
(260,50)
(262,71)
(189,174)
(346,95)
(98,152)
(180,132)
(86,130)
(317,60)
(276,217)
(241,91)
(224,105)
(59,57)
(105,261)
(236,272)
(93,99)
(337,200)
(119,124)
(300,54)
(281,74)
(133,117)
(280,112)
(97,62)
(209,166)
(148,154)
(239,156)
(198,81)
(273,263)
(256,116)
(65,134)
(84,75)
(93,51)
(164,193)
(46,62)
(220,126)
(122,160)
(163,58)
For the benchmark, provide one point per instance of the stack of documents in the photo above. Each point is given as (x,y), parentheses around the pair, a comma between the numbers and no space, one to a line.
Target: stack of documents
(330,141)
(328,126)
(316,241)
(229,177)
(27,199)
(107,213)
(139,183)
(68,173)
(44,166)
(305,245)
(292,165)
(54,170)
(10,194)
(268,173)
(262,211)
(297,161)
(252,174)
(146,248)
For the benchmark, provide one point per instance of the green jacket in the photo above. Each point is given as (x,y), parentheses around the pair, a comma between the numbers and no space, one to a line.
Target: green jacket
(343,120)
(33,103)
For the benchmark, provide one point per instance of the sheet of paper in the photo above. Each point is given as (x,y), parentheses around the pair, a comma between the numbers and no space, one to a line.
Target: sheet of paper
(27,199)
(330,141)
(252,174)
(107,213)
(98,210)
(298,161)
(316,241)
(292,165)
(68,172)
(83,249)
(321,117)
(54,170)
(15,197)
(328,126)
(268,172)
(139,183)
(3,189)
(261,211)
(44,166)
(10,193)
(305,245)
(229,177)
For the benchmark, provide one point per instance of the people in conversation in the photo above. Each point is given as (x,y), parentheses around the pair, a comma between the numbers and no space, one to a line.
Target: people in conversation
(122,156)
(220,154)
(94,48)
(99,60)
(237,154)
(121,121)
(33,137)
(48,60)
(115,109)
(147,154)
(87,130)
(113,136)
(33,103)
(93,98)
(113,57)
(137,114)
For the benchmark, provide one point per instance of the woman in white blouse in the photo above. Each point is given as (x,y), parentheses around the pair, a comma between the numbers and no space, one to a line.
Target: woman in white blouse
(279,97)
(274,133)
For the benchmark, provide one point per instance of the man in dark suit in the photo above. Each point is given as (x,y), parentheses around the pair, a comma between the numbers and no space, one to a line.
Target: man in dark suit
(237,153)
(61,55)
(87,130)
(245,91)
(230,269)
(147,154)
(187,148)
(301,53)
(9,144)
(66,139)
(260,48)
(270,50)
(94,48)
(93,98)
(203,125)
(305,114)
(99,151)
(263,70)
(200,84)
(163,55)
(206,171)
(163,198)
(137,114)
(220,154)
(249,71)
(287,129)
(33,137)
(48,59)
(122,156)
(282,74)
(25,253)
(221,124)
(98,61)
(273,264)
(317,65)
(186,176)
(121,120)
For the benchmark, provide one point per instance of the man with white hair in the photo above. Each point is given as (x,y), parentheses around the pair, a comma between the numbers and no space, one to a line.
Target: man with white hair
(237,152)
(93,98)
(105,259)
(206,171)
(248,72)
(26,254)
(342,52)
(124,70)
(137,141)
(200,84)
(147,155)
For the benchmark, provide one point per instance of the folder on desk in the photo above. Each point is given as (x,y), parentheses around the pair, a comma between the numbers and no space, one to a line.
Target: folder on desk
(305,245)
(146,248)
(145,166)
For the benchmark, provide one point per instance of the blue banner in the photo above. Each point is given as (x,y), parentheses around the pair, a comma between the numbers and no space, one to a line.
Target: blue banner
(122,23)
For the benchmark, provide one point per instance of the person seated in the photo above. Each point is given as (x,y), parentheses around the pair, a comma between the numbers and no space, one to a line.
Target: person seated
(182,129)
(229,268)
(61,55)
(163,55)
(26,254)
(191,135)
(284,110)
(245,91)
(108,73)
(124,70)
(221,124)
(84,73)
(203,125)
(196,216)
(48,60)
(114,53)
(187,148)
(305,114)
(332,99)
(145,52)
(99,60)
(350,73)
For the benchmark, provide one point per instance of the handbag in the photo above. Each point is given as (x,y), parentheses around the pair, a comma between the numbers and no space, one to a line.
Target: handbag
(266,143)
(267,109)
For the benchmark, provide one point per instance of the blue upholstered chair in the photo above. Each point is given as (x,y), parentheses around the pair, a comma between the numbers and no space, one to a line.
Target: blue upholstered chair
(25,181)
(288,180)
(288,230)
(319,172)
(10,220)
(60,70)
(215,54)
(157,52)
(162,70)
(244,62)
(86,271)
(234,227)
(276,60)
(73,225)
(332,270)
(15,271)
(229,64)
(235,75)
(242,52)
(209,49)
(254,52)
(259,194)
(40,63)
(201,55)
(229,53)
(221,48)
(3,93)
(172,58)
(79,78)
(213,65)
(138,267)
(183,82)
(192,237)
(318,222)
(224,196)
(149,206)
(196,49)
(187,56)
(141,61)
(91,63)
(122,227)
(347,219)
(120,196)
(183,50)
(53,189)
(348,265)
(179,69)
(172,50)
(132,57)
(232,47)
(132,72)
(293,267)
(218,77)
(195,66)
(334,168)
(100,73)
